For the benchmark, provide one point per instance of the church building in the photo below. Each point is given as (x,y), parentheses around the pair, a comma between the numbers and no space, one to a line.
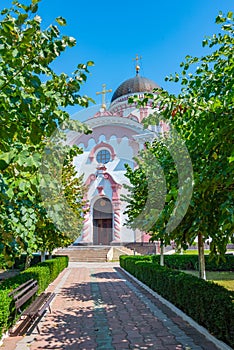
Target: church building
(117,136)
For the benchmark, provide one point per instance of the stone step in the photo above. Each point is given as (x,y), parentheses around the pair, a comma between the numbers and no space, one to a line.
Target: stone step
(84,254)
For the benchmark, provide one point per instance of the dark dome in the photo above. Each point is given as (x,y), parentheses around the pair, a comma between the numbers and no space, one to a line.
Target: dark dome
(134,85)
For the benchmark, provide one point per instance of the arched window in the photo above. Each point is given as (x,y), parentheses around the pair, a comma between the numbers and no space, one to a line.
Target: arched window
(103,156)
(103,153)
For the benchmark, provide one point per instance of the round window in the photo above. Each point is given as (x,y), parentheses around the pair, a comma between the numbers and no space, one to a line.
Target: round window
(103,156)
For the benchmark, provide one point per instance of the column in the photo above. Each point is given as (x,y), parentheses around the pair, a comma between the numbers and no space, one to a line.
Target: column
(117,221)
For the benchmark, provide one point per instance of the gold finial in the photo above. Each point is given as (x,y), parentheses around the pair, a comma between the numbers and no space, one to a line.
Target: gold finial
(137,65)
(103,92)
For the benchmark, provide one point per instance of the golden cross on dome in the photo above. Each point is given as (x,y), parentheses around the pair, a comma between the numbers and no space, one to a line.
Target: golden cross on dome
(103,92)
(137,64)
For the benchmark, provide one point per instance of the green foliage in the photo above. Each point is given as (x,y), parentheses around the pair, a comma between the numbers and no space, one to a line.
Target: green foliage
(202,114)
(155,202)
(20,261)
(44,273)
(4,310)
(63,261)
(128,262)
(3,264)
(41,274)
(207,303)
(190,262)
(33,99)
(55,266)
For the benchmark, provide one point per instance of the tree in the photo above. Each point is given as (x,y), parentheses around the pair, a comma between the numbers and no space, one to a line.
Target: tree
(68,206)
(203,116)
(155,203)
(33,101)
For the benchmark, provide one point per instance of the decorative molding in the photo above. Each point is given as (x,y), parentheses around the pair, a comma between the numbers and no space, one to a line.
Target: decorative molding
(91,178)
(100,190)
(100,146)
(104,113)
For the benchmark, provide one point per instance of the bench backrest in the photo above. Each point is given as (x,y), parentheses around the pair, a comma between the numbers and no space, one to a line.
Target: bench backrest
(24,292)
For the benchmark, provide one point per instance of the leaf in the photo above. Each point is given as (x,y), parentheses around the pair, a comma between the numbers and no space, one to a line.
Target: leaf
(61,21)
(6,158)
(7,26)
(71,41)
(33,8)
(21,19)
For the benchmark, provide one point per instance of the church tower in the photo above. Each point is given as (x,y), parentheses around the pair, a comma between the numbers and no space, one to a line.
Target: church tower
(117,136)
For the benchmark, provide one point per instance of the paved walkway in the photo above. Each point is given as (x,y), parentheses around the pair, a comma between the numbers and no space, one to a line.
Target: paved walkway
(98,306)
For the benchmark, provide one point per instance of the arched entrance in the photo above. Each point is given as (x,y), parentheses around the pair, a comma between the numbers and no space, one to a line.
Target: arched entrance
(102,222)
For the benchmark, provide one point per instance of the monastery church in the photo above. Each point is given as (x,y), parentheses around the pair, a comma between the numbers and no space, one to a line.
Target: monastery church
(117,136)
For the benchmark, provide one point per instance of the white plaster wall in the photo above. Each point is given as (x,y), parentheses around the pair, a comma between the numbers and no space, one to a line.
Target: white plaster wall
(122,148)
(124,152)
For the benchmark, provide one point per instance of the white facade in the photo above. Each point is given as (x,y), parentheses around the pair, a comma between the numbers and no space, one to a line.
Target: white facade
(117,136)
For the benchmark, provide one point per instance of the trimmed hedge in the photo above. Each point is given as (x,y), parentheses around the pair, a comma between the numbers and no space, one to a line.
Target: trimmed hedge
(55,266)
(44,273)
(190,262)
(209,304)
(5,307)
(36,259)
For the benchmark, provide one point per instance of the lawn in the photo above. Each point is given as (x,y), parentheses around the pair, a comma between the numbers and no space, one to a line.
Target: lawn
(195,251)
(192,252)
(224,278)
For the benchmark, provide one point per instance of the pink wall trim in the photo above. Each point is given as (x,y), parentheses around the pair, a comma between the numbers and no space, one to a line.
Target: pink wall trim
(101,145)
(118,131)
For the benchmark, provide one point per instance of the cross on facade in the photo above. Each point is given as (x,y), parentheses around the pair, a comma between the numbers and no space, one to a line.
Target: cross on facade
(137,65)
(103,92)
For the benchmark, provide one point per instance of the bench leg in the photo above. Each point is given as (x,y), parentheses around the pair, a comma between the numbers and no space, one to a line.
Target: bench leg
(35,319)
(38,329)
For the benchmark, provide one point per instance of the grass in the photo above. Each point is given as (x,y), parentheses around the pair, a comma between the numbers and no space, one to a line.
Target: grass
(206,251)
(192,252)
(223,278)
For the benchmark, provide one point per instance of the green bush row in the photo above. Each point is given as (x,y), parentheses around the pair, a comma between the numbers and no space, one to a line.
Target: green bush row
(55,266)
(209,304)
(44,273)
(190,262)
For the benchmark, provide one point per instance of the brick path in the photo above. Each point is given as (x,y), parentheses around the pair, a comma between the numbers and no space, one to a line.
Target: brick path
(98,306)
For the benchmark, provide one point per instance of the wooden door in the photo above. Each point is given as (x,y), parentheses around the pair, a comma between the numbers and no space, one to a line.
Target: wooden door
(104,231)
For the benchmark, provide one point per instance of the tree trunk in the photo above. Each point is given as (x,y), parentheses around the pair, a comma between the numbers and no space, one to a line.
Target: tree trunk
(201,257)
(42,256)
(27,262)
(161,252)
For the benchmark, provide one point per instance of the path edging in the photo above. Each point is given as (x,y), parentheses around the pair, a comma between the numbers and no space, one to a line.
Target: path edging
(221,345)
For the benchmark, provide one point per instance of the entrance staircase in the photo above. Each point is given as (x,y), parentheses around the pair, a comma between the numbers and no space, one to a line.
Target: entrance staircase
(85,254)
(94,253)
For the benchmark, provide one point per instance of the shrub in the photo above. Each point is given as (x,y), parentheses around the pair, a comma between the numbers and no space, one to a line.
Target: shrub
(39,273)
(55,266)
(128,260)
(190,262)
(44,273)
(4,310)
(63,261)
(207,303)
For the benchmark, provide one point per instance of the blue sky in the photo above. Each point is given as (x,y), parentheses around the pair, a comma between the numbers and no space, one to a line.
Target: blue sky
(112,33)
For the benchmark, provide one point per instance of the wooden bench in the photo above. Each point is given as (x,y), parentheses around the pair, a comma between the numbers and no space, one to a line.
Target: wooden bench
(34,311)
